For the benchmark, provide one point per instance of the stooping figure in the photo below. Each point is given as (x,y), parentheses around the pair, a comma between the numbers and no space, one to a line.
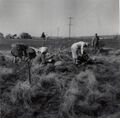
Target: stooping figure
(43,51)
(22,52)
(19,51)
(78,49)
(31,53)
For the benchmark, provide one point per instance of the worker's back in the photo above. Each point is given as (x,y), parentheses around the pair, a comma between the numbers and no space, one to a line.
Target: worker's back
(43,49)
(78,44)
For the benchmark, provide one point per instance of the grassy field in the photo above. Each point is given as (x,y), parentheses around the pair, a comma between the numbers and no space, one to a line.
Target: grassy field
(55,43)
(61,90)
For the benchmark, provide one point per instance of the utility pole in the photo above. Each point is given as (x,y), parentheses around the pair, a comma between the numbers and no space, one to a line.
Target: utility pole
(70,20)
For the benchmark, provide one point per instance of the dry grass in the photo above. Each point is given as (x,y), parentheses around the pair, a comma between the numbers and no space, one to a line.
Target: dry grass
(61,90)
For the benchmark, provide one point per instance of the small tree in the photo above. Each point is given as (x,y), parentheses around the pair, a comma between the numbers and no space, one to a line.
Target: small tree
(25,36)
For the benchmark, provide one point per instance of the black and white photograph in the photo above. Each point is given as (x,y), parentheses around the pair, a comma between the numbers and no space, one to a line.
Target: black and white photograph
(59,59)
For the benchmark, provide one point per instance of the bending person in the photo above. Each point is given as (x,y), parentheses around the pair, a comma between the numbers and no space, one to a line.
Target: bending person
(78,49)
(43,51)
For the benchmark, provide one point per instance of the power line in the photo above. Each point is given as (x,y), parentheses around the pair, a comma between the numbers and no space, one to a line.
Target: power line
(70,24)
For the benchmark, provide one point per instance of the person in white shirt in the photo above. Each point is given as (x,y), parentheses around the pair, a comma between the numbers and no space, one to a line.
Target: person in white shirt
(78,48)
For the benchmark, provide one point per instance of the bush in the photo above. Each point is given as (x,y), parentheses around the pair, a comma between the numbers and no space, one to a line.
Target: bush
(8,36)
(25,36)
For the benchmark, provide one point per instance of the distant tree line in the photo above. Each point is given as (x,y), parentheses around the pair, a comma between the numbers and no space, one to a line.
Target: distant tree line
(23,35)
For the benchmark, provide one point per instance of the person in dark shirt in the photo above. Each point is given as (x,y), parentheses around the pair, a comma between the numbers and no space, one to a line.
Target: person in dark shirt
(95,42)
(43,36)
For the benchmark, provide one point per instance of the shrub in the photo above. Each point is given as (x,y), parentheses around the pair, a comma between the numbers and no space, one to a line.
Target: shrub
(8,36)
(25,35)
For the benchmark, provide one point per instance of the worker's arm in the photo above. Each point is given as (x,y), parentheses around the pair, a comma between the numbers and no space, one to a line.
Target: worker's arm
(82,49)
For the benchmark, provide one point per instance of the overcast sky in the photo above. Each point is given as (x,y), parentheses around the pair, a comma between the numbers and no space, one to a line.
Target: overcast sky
(36,16)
